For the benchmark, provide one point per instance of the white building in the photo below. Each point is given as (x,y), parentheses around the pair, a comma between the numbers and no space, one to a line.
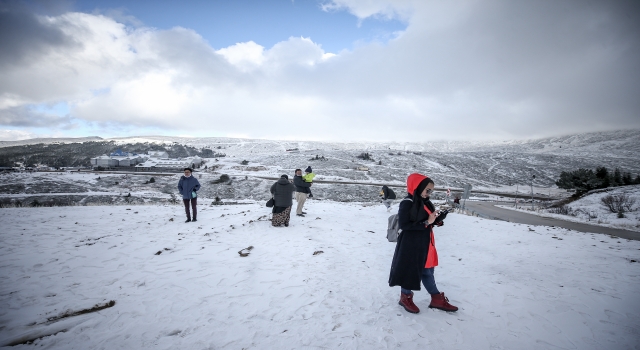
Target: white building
(104,161)
(155,164)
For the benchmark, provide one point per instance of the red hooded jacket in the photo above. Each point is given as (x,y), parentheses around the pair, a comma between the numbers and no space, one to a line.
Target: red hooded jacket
(412,183)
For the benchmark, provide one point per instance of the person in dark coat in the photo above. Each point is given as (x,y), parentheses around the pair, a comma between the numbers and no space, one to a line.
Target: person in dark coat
(415,256)
(387,197)
(188,186)
(282,192)
(303,189)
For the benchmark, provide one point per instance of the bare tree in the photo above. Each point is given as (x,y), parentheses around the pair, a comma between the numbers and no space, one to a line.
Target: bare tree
(618,203)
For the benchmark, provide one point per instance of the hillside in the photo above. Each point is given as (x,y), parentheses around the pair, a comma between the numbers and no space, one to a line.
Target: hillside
(452,163)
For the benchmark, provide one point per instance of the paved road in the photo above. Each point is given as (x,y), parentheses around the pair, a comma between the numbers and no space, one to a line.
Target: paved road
(489,209)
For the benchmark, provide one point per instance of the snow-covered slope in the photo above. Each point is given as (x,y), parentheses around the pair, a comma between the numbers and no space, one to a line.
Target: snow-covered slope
(590,209)
(451,163)
(319,284)
(49,141)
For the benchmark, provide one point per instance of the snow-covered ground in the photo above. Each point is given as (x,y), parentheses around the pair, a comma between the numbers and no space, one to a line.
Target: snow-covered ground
(319,284)
(590,210)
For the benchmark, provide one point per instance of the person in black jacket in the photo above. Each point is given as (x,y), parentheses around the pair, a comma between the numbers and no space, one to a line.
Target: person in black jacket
(302,191)
(415,256)
(282,192)
(387,197)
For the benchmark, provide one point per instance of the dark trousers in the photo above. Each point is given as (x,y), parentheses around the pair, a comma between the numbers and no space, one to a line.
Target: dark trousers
(428,280)
(194,202)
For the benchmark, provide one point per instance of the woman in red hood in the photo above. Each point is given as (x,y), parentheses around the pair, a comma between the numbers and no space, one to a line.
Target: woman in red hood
(416,257)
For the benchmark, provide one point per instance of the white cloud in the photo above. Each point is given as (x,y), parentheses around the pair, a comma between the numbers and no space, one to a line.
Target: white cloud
(246,56)
(463,70)
(15,135)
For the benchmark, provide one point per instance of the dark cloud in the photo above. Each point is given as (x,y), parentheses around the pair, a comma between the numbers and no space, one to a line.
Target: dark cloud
(25,37)
(26,117)
(474,70)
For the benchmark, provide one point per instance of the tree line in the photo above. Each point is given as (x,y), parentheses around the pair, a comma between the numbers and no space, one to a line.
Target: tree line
(584,180)
(79,154)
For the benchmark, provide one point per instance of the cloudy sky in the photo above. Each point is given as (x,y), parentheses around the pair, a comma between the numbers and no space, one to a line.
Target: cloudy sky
(338,70)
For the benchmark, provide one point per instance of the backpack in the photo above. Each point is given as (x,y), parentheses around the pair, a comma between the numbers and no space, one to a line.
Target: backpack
(393,229)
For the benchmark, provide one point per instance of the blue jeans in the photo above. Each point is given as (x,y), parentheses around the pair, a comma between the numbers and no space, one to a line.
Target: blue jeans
(428,280)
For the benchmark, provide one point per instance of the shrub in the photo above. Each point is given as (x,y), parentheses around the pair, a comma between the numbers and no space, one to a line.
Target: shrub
(244,162)
(618,203)
(562,210)
(152,180)
(365,156)
(223,178)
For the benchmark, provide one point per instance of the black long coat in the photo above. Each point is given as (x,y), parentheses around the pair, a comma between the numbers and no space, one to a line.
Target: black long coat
(411,250)
(282,191)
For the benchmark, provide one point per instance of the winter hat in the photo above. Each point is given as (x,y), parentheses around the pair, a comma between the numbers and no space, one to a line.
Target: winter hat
(308,170)
(416,183)
(284,177)
(413,181)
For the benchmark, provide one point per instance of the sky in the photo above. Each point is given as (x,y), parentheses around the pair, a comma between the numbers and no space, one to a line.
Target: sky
(323,70)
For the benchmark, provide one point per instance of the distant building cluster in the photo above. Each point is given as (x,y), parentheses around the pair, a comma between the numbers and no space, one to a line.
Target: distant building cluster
(152,161)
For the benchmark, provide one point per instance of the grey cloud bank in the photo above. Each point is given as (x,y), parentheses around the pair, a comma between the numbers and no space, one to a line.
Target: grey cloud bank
(473,70)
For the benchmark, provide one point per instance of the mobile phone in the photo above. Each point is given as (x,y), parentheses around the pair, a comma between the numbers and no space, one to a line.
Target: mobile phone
(441,216)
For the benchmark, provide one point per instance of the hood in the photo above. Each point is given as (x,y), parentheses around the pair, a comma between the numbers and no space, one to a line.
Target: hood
(413,181)
(283,181)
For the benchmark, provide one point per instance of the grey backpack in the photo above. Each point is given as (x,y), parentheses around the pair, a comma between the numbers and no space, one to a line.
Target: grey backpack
(393,229)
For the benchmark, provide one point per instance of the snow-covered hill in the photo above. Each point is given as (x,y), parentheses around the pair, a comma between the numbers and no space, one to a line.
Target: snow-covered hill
(486,165)
(319,284)
(590,209)
(50,141)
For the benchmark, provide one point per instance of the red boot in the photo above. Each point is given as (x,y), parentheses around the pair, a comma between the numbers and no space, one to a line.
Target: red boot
(439,301)
(406,301)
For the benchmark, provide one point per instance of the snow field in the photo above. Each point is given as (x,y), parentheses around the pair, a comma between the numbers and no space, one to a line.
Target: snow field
(517,286)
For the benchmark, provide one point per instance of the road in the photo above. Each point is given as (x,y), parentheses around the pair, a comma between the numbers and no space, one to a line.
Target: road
(488,209)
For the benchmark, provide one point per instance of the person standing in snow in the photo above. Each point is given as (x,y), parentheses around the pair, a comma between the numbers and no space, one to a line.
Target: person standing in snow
(282,191)
(188,186)
(302,190)
(415,256)
(387,197)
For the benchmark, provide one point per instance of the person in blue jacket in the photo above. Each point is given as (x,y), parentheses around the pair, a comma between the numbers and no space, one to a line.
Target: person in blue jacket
(188,186)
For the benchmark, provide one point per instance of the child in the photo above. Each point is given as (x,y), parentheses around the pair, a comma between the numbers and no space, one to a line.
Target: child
(308,177)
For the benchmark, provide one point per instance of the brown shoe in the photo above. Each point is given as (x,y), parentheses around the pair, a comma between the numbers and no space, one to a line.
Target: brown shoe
(406,301)
(439,301)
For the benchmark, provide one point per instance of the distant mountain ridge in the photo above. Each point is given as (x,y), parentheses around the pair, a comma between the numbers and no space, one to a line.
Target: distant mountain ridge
(50,140)
(621,143)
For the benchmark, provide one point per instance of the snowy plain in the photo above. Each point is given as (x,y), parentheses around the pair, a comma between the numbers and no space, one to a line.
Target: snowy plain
(590,210)
(319,284)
